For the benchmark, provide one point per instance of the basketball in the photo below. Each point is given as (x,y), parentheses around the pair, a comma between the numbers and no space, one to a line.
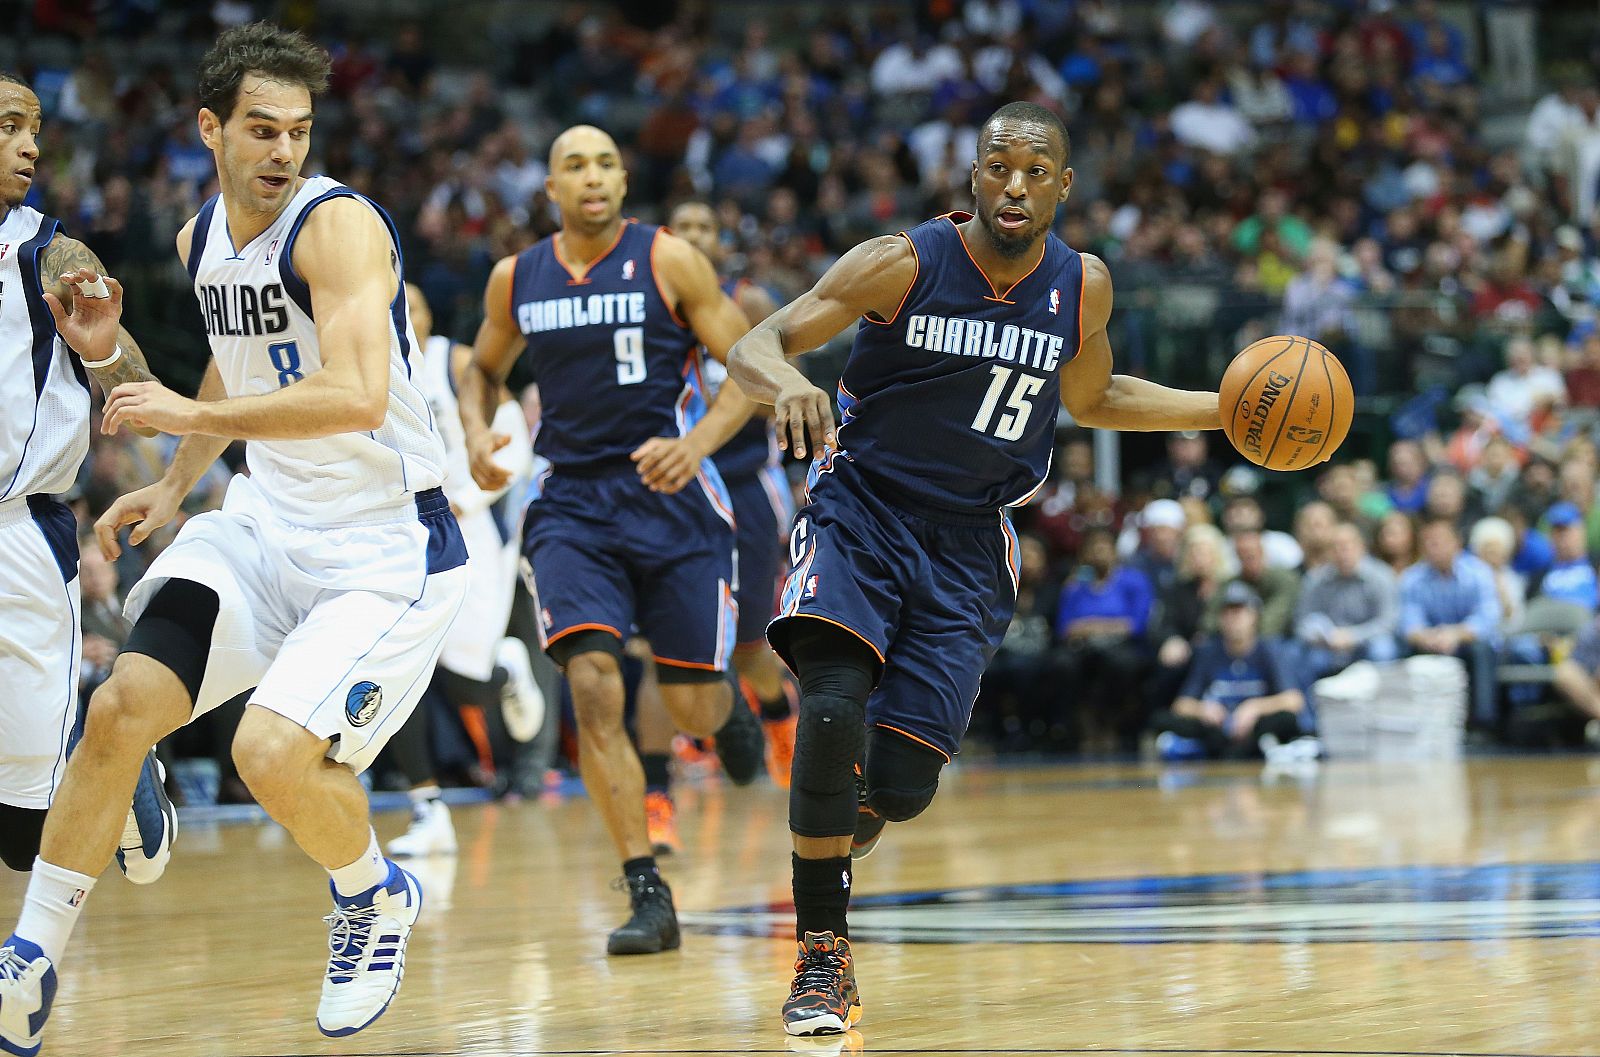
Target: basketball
(1286,402)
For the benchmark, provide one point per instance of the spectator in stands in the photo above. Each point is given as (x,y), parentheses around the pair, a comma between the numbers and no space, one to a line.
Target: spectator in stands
(1494,478)
(1210,123)
(1159,533)
(1313,530)
(1348,610)
(1494,540)
(1318,301)
(1277,589)
(1204,566)
(1577,679)
(1238,691)
(1243,513)
(1340,487)
(1524,388)
(1186,471)
(1449,497)
(1408,477)
(1100,628)
(1571,576)
(1015,696)
(1449,606)
(1583,377)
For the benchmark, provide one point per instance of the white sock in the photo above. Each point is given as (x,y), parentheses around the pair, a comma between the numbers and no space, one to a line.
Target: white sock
(424,793)
(370,870)
(50,909)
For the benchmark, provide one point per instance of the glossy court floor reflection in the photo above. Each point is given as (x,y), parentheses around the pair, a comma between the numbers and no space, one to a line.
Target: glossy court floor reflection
(1375,909)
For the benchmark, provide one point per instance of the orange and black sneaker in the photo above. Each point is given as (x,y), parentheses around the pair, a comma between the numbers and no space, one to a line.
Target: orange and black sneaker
(823,999)
(869,824)
(661,820)
(780,748)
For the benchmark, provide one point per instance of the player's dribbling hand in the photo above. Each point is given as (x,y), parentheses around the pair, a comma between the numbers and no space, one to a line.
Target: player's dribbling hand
(666,464)
(490,475)
(800,412)
(150,405)
(146,510)
(91,327)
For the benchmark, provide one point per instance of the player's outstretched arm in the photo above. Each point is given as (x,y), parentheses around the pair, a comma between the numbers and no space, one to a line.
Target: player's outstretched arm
(494,351)
(347,259)
(667,464)
(871,280)
(1101,400)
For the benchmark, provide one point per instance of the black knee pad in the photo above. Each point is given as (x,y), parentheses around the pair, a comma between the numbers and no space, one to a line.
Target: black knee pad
(20,831)
(902,775)
(677,675)
(828,740)
(589,640)
(175,629)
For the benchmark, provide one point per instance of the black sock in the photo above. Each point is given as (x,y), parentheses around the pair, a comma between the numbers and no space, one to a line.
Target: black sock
(644,866)
(775,709)
(656,776)
(821,896)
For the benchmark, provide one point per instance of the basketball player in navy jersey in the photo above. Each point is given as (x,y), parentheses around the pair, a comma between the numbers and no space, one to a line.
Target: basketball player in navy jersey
(632,527)
(972,327)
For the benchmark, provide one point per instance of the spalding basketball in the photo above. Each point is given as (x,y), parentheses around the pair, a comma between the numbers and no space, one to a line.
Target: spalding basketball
(1286,402)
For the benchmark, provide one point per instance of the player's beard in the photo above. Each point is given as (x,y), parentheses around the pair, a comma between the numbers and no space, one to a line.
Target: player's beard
(1014,245)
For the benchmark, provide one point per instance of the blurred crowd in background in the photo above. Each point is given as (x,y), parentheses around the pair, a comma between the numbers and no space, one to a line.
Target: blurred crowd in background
(1412,183)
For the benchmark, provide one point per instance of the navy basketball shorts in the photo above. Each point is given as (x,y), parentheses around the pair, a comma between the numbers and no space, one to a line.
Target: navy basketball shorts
(608,554)
(931,597)
(764,510)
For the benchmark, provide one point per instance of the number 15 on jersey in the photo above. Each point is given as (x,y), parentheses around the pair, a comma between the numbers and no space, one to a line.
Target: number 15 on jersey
(1013,421)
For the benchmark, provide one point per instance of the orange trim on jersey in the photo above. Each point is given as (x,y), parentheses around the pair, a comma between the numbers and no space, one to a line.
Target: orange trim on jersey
(581,277)
(661,291)
(992,288)
(670,663)
(846,627)
(1083,285)
(564,632)
(916,257)
(511,292)
(913,737)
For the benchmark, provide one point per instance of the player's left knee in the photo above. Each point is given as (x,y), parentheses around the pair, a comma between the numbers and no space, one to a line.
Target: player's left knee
(902,775)
(273,754)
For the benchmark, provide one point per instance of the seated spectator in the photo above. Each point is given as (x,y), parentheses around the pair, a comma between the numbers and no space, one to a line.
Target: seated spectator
(1186,471)
(1408,477)
(1524,388)
(1531,553)
(1243,513)
(1449,497)
(1159,532)
(1204,566)
(1571,576)
(1449,606)
(1276,588)
(1576,487)
(1494,540)
(1100,628)
(1313,529)
(1577,679)
(1238,690)
(1209,123)
(1348,609)
(1495,475)
(1014,695)
(1395,542)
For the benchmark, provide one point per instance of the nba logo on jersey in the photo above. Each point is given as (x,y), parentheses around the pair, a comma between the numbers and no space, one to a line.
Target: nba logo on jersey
(1055,301)
(811,586)
(5,247)
(627,268)
(271,249)
(362,702)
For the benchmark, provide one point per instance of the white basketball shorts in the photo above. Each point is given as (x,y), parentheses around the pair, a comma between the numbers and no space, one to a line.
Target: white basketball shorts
(40,647)
(335,628)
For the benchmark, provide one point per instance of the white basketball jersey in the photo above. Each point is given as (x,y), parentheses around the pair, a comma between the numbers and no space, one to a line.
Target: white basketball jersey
(258,313)
(44,390)
(438,384)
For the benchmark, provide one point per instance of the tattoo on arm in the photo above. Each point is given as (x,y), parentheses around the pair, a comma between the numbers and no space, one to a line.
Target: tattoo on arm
(65,255)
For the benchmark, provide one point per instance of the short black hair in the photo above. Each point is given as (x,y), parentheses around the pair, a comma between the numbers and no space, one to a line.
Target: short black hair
(7,77)
(702,203)
(1033,114)
(263,49)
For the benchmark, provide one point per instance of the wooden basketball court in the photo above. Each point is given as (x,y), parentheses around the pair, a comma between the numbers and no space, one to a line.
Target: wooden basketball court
(1399,908)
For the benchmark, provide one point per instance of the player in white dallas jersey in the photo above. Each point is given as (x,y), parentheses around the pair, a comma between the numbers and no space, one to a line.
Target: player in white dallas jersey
(44,432)
(480,666)
(328,580)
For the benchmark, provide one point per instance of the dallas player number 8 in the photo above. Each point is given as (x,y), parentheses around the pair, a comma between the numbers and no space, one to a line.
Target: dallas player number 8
(285,356)
(1019,406)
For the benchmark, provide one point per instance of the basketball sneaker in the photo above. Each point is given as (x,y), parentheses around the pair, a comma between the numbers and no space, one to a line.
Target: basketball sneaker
(780,748)
(741,745)
(653,926)
(367,952)
(152,826)
(521,701)
(823,1000)
(661,819)
(27,988)
(869,824)
(430,833)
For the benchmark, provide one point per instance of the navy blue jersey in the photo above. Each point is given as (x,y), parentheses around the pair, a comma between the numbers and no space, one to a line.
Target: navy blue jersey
(951,404)
(614,364)
(754,447)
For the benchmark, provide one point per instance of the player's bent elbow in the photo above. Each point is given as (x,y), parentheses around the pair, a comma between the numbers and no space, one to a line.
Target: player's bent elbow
(370,413)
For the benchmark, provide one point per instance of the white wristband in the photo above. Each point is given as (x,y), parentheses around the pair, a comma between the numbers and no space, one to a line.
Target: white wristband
(97,288)
(95,365)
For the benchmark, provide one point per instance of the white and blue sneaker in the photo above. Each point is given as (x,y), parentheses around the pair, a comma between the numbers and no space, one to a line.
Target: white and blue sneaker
(367,952)
(27,987)
(1172,747)
(152,826)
